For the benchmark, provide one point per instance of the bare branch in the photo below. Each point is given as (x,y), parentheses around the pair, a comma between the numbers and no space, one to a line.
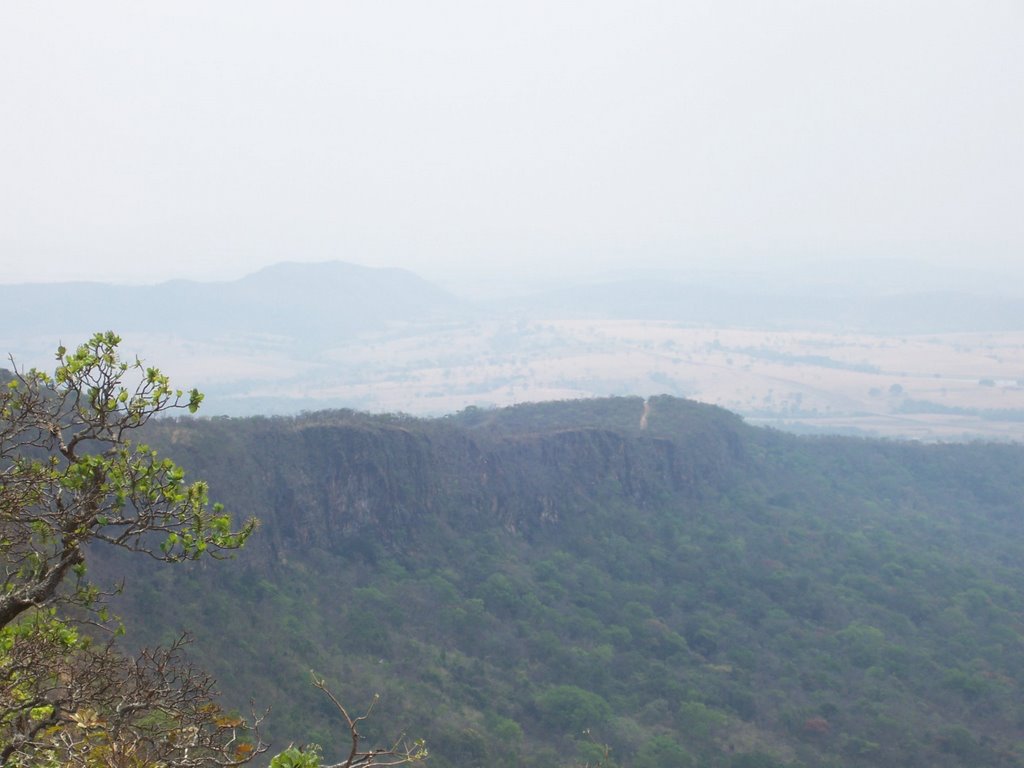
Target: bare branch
(401,752)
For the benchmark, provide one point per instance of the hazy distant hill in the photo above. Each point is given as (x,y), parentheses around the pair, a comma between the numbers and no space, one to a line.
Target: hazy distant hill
(302,301)
(691,590)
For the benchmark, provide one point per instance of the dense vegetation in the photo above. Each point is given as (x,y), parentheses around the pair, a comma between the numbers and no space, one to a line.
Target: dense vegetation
(523,585)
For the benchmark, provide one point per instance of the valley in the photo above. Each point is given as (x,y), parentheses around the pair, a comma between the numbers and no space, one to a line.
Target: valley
(870,360)
(934,387)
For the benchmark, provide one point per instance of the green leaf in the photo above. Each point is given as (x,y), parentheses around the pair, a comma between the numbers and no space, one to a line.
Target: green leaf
(41,713)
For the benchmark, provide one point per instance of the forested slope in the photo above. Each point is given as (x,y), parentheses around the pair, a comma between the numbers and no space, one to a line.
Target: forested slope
(688,589)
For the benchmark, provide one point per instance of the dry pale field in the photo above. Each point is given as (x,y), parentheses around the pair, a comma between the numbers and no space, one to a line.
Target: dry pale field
(933,387)
(928,387)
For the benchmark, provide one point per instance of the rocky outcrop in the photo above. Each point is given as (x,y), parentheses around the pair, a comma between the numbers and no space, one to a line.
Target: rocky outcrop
(327,480)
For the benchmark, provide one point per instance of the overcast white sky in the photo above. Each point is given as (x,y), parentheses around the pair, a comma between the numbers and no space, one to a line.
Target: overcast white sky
(147,140)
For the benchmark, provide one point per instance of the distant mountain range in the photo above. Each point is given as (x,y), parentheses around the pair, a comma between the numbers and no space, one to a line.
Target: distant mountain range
(315,301)
(924,312)
(295,300)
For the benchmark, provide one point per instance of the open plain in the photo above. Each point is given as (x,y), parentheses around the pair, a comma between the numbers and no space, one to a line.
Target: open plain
(931,387)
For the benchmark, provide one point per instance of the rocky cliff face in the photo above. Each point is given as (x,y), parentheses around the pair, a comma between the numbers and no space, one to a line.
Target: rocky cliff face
(323,481)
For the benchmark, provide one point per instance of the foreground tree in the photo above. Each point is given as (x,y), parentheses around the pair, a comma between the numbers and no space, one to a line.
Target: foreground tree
(72,481)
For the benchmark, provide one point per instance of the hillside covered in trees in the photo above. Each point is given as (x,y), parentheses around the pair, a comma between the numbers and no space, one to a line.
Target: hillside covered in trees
(525,585)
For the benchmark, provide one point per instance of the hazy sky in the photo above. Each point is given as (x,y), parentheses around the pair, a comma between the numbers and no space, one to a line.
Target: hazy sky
(146,140)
